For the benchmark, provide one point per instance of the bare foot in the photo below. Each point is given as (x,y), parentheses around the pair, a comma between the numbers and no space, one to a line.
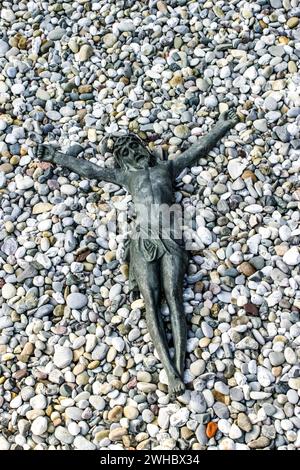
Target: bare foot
(176,387)
(230,117)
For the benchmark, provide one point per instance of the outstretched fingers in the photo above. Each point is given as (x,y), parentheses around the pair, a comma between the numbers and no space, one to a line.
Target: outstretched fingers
(230,117)
(231,114)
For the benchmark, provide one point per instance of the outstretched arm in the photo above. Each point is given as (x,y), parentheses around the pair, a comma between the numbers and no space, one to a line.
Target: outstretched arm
(226,121)
(80,166)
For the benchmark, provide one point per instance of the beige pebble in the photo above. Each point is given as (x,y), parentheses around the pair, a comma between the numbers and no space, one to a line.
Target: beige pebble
(8,268)
(204,342)
(110,256)
(82,379)
(41,207)
(281,249)
(92,135)
(73,45)
(143,376)
(292,22)
(112,352)
(292,66)
(6,167)
(131,412)
(117,434)
(8,291)
(85,52)
(9,226)
(146,387)
(93,365)
(223,107)
(139,303)
(101,434)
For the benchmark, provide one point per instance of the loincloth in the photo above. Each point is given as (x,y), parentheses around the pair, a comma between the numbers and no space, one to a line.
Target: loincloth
(150,249)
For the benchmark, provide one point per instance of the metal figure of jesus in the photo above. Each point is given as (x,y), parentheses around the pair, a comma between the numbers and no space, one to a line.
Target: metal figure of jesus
(157,261)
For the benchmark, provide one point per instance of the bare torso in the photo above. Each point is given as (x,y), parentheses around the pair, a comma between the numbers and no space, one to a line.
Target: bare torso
(152,185)
(152,192)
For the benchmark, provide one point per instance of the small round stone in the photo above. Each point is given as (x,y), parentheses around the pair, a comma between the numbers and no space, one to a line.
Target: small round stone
(76,300)
(63,435)
(131,412)
(39,426)
(63,356)
(8,291)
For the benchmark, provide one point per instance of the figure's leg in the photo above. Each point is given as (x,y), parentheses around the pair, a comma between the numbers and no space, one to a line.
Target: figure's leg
(148,278)
(173,270)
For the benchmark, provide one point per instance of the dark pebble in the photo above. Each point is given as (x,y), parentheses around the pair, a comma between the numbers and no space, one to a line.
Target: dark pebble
(45,176)
(65,390)
(47,128)
(282,387)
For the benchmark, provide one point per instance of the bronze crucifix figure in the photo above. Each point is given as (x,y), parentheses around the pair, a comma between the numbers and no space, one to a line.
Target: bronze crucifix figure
(158,261)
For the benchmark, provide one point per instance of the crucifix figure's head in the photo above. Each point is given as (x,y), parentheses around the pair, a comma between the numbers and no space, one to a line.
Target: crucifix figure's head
(130,152)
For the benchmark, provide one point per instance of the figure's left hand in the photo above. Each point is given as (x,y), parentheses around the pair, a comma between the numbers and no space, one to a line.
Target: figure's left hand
(230,117)
(46,153)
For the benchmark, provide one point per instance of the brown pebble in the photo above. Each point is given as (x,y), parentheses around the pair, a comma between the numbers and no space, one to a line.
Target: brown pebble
(19,374)
(186,433)
(249,174)
(176,80)
(6,168)
(26,352)
(218,396)
(211,429)
(199,286)
(85,88)
(161,6)
(244,422)
(115,414)
(251,308)
(246,268)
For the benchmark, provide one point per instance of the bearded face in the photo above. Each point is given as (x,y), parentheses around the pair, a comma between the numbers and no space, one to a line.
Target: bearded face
(129,151)
(132,154)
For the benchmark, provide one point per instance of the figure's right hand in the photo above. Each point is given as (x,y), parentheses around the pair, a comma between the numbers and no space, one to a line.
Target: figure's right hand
(46,153)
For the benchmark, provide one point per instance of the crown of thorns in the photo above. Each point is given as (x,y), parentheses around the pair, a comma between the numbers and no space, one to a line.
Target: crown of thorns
(113,143)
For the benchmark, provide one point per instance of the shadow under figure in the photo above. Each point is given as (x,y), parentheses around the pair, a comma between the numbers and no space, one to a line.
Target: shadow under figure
(157,262)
